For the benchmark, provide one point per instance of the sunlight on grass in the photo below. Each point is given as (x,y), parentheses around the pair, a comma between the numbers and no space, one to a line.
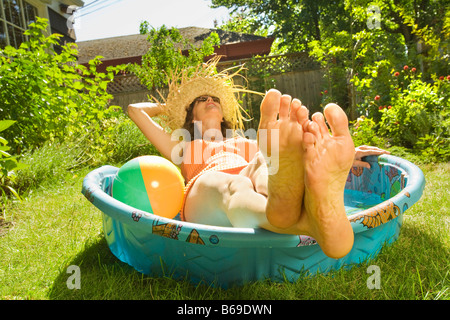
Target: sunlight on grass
(57,227)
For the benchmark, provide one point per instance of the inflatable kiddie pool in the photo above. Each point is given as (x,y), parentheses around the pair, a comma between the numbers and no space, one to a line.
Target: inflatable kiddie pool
(375,201)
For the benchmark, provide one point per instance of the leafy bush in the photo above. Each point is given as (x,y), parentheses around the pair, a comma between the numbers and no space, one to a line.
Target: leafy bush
(417,114)
(364,133)
(49,95)
(408,154)
(8,163)
(128,142)
(165,54)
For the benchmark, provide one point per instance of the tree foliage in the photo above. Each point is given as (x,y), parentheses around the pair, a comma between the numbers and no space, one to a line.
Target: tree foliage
(49,95)
(358,42)
(298,22)
(363,47)
(169,51)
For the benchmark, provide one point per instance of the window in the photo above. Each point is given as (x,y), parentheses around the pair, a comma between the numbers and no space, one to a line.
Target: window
(58,24)
(15,16)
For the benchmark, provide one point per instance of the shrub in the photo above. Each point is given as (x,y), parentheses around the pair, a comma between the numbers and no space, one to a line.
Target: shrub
(364,133)
(49,95)
(417,115)
(128,142)
(8,163)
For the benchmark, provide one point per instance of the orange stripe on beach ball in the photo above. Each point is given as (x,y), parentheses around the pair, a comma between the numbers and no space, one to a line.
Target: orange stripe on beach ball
(164,185)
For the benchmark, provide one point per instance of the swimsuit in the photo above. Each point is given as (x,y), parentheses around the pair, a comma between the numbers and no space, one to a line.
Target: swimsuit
(200,156)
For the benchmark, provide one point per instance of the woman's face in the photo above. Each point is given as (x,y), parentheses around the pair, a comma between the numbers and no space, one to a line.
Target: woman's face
(207,107)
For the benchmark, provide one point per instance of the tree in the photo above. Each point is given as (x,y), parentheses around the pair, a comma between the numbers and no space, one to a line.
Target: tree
(297,22)
(358,42)
(293,22)
(165,54)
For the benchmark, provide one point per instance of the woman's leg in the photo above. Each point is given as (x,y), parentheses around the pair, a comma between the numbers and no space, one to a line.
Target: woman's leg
(328,159)
(227,200)
(285,181)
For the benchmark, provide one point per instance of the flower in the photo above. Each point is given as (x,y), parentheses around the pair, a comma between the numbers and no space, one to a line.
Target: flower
(396,74)
(441,78)
(325,92)
(380,108)
(389,107)
(405,68)
(448,78)
(377,97)
(413,70)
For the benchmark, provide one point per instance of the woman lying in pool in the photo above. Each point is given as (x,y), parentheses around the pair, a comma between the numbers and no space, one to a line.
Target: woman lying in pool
(291,180)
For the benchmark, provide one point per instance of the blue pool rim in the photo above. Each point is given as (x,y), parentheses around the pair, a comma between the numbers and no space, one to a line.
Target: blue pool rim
(226,256)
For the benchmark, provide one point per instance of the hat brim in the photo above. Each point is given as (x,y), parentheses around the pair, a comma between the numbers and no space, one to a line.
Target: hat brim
(186,86)
(179,100)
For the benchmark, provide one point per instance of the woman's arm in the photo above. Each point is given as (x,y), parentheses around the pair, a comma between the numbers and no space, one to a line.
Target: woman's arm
(141,114)
(152,109)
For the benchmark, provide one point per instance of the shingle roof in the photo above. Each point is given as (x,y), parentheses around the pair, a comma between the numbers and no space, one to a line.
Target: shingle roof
(137,44)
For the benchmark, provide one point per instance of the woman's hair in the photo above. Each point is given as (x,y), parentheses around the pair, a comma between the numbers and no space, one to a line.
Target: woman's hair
(190,127)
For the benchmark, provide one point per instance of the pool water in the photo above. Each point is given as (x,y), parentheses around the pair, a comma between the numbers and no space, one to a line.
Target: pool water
(357,201)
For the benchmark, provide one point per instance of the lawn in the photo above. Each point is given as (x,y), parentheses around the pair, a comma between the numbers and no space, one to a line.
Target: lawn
(56,227)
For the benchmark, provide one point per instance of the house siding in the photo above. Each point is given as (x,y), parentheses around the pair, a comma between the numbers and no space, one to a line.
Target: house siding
(50,9)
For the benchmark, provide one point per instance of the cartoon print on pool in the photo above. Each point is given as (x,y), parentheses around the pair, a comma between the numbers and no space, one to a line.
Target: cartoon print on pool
(214,239)
(168,230)
(136,216)
(378,215)
(89,195)
(194,237)
(391,173)
(306,241)
(357,171)
(395,188)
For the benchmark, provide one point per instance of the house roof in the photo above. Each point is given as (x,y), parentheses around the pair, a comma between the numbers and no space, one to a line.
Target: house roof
(133,46)
(78,3)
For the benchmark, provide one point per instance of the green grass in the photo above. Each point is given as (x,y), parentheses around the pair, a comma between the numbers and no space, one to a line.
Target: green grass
(55,227)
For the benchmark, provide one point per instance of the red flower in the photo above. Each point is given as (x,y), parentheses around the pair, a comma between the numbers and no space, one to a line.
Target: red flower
(325,92)
(396,74)
(377,97)
(441,78)
(448,78)
(413,70)
(405,68)
(390,107)
(380,108)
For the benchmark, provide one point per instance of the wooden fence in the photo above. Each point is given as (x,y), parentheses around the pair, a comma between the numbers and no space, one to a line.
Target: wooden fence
(293,74)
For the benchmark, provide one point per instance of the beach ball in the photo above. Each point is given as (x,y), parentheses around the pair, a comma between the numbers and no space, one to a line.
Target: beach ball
(150,183)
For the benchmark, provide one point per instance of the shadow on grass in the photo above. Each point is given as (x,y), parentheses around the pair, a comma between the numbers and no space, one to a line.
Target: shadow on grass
(95,262)
(103,276)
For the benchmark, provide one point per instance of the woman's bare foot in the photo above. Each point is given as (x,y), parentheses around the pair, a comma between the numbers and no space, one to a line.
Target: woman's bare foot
(328,159)
(280,136)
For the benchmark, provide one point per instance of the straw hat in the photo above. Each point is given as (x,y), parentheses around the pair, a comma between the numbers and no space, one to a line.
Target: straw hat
(188,84)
